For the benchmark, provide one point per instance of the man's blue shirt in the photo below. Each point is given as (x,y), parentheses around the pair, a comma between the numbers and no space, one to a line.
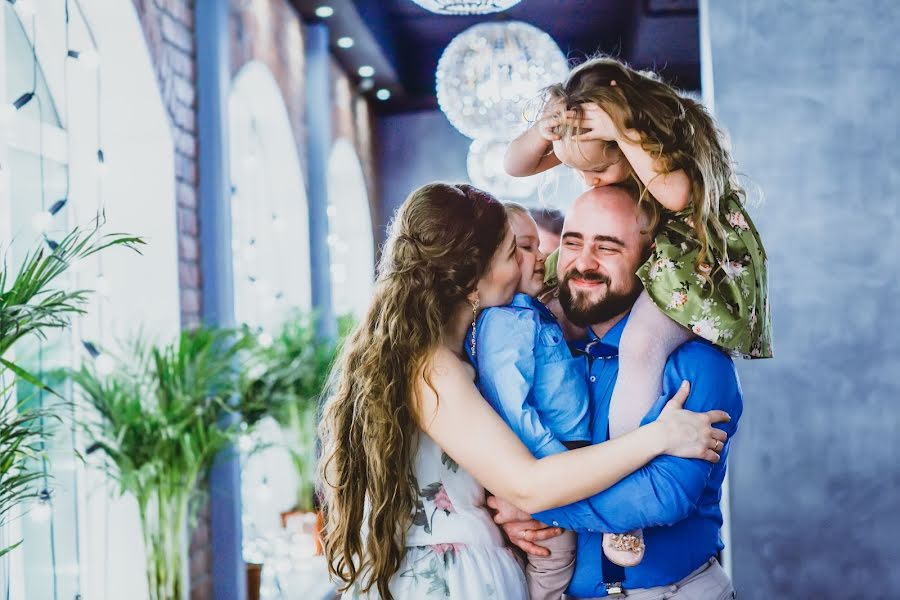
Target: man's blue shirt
(528,375)
(674,500)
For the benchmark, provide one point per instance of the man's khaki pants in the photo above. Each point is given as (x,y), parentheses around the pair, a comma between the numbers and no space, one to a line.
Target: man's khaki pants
(709,582)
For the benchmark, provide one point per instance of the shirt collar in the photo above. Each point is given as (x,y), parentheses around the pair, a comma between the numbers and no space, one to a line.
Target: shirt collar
(602,348)
(526,301)
(614,336)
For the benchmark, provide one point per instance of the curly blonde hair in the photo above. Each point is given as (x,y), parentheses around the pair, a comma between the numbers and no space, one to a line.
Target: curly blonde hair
(440,244)
(675,129)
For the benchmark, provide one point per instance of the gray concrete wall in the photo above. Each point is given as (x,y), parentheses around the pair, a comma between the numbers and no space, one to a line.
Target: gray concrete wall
(809,93)
(415,149)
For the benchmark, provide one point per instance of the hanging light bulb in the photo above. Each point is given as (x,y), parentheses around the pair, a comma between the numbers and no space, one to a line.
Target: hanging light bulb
(101,162)
(8,110)
(466,7)
(89,59)
(41,512)
(490,75)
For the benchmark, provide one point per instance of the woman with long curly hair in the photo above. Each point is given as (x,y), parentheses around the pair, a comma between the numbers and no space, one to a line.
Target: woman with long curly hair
(409,445)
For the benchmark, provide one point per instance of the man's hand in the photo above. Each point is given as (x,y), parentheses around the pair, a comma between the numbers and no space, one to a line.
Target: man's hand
(520,528)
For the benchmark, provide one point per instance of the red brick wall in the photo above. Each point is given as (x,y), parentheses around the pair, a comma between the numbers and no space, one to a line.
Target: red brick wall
(352,118)
(169,31)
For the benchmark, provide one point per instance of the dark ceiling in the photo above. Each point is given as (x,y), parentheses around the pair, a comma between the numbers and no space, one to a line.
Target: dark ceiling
(658,34)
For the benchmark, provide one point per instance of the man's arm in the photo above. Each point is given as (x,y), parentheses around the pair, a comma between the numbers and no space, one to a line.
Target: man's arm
(668,488)
(505,364)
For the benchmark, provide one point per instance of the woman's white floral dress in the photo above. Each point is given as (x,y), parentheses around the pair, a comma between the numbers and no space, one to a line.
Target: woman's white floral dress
(454,549)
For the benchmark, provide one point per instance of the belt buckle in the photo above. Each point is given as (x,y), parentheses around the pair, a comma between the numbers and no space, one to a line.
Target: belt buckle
(614,588)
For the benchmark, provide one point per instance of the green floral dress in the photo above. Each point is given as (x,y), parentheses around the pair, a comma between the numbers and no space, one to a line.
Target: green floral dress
(454,551)
(724,300)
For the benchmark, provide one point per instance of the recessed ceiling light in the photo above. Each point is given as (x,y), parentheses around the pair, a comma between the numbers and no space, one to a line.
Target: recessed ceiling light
(345,42)
(367,84)
(366,71)
(383,94)
(323,12)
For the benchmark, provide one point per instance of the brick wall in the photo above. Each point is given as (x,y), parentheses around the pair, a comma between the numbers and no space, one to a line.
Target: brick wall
(169,32)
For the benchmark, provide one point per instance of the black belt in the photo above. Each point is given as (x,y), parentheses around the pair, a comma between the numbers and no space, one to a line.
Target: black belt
(613,575)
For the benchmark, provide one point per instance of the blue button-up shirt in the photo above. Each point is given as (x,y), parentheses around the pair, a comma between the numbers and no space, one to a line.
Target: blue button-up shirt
(674,500)
(528,375)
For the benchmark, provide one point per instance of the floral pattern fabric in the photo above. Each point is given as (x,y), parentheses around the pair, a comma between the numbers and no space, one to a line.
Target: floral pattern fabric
(725,299)
(454,551)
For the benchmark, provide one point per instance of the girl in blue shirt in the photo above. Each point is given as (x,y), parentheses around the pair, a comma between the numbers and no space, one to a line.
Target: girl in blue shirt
(528,375)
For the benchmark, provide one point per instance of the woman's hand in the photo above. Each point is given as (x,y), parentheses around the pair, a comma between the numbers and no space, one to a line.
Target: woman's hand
(689,434)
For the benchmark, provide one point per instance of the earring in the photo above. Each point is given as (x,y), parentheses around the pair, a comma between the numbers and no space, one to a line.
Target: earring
(474,319)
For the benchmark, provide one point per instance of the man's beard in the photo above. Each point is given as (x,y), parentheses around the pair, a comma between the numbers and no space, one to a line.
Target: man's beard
(578,307)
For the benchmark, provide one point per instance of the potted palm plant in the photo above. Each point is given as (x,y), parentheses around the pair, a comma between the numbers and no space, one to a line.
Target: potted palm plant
(286,381)
(159,423)
(30,305)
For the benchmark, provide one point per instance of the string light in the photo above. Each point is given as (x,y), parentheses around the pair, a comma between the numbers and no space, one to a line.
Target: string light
(88,59)
(101,162)
(20,102)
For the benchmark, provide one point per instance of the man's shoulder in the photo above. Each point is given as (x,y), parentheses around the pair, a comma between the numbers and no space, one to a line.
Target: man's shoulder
(701,359)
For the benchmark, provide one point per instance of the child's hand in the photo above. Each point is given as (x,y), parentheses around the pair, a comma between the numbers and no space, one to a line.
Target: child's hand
(596,125)
(552,118)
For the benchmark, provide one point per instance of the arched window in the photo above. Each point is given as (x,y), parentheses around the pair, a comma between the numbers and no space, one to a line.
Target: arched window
(269,213)
(350,240)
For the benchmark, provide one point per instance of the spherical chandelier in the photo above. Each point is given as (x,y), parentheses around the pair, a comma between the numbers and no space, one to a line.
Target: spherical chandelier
(488,75)
(485,166)
(466,7)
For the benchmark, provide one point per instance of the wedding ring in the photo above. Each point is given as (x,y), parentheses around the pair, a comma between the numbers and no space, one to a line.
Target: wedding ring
(718,446)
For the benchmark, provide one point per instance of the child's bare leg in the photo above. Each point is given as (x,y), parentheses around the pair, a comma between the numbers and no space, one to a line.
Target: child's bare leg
(649,338)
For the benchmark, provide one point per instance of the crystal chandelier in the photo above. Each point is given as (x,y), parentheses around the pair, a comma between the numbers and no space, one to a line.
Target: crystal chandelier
(466,7)
(485,166)
(489,73)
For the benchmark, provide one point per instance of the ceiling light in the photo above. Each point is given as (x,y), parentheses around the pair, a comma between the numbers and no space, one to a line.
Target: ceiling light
(383,94)
(345,42)
(366,71)
(323,12)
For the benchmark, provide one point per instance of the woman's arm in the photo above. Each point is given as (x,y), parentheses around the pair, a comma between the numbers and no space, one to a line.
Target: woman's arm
(453,413)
